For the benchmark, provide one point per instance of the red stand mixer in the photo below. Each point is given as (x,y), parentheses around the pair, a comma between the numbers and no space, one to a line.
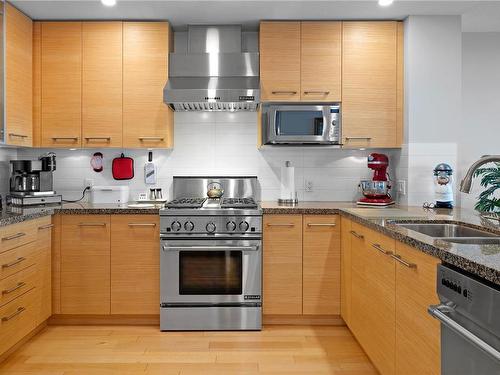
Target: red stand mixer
(376,190)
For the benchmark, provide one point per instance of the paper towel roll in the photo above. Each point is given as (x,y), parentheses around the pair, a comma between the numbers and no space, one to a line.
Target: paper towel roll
(287,182)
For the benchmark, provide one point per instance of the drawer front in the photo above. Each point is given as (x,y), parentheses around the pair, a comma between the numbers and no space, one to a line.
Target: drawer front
(17,319)
(15,235)
(13,286)
(17,259)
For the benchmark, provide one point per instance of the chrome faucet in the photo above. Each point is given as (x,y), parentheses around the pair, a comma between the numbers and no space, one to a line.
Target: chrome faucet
(466,184)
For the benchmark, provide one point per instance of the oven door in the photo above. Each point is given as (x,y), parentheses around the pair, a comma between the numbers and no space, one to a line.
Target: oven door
(302,124)
(210,272)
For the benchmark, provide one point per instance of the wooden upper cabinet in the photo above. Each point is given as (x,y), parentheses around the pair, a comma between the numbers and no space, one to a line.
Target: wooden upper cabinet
(321,61)
(282,259)
(18,73)
(371,84)
(61,84)
(280,61)
(102,84)
(147,121)
(321,265)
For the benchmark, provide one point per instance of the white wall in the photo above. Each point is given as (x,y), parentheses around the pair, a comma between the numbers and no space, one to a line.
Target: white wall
(480,129)
(433,72)
(223,144)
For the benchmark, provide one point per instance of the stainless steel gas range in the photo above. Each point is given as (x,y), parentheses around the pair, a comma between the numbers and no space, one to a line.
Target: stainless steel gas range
(211,255)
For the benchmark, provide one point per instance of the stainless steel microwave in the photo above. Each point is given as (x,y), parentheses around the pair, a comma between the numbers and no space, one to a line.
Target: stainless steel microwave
(301,124)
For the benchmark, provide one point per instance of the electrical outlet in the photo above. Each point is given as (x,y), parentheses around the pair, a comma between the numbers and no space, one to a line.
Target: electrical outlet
(401,187)
(309,186)
(88,182)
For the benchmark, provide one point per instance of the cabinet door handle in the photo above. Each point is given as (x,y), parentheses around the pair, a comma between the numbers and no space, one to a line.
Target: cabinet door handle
(284,92)
(321,224)
(141,224)
(18,135)
(65,138)
(92,224)
(402,261)
(14,236)
(358,138)
(316,92)
(381,249)
(13,263)
(360,236)
(13,289)
(98,138)
(151,138)
(14,314)
(48,226)
(281,225)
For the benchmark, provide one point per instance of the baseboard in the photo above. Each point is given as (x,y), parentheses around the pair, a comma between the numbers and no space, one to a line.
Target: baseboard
(23,341)
(127,320)
(312,320)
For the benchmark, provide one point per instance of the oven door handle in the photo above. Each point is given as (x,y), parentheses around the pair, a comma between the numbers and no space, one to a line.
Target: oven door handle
(438,312)
(210,248)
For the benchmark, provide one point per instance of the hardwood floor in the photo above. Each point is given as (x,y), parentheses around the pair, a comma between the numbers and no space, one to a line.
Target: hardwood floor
(124,350)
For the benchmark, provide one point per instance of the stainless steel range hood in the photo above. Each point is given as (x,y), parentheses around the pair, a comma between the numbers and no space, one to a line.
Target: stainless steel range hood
(212,73)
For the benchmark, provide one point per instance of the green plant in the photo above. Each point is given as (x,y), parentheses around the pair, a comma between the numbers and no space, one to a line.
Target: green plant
(491,181)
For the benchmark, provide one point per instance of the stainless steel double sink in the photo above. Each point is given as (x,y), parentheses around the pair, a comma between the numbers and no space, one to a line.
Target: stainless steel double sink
(451,232)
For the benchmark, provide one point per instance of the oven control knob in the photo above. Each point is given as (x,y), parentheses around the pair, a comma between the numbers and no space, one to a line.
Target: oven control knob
(176,226)
(244,226)
(231,226)
(211,227)
(189,226)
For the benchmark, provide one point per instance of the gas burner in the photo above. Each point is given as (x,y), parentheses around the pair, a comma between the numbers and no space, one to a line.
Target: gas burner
(238,203)
(186,203)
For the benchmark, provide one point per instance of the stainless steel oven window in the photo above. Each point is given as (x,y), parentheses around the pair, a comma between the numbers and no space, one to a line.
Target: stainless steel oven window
(210,272)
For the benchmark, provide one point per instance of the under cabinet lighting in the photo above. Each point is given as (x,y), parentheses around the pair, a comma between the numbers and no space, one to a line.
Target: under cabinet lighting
(385,3)
(108,3)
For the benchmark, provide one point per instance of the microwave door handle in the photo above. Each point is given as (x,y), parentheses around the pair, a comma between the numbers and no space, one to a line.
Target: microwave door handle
(438,312)
(210,248)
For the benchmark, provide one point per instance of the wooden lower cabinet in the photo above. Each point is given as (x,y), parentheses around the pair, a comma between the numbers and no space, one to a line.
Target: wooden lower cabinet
(321,265)
(417,333)
(85,264)
(345,270)
(135,264)
(282,264)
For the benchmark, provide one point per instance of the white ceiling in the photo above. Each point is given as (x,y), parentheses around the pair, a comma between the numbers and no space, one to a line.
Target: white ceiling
(476,15)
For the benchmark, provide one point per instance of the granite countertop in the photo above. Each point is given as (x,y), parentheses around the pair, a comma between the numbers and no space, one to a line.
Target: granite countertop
(480,260)
(13,215)
(106,209)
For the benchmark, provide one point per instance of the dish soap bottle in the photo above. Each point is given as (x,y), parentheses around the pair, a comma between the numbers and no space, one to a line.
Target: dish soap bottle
(150,170)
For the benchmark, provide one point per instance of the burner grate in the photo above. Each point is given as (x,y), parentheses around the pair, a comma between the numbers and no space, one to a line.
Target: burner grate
(186,203)
(238,203)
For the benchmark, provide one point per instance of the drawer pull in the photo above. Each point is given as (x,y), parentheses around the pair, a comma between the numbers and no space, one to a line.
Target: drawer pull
(280,225)
(379,248)
(14,236)
(317,92)
(92,224)
(13,289)
(141,224)
(358,138)
(360,236)
(14,314)
(151,138)
(98,139)
(18,135)
(321,224)
(13,263)
(48,226)
(403,262)
(284,92)
(65,138)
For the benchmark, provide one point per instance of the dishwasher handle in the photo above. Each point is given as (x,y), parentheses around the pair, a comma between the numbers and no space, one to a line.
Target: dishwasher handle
(438,312)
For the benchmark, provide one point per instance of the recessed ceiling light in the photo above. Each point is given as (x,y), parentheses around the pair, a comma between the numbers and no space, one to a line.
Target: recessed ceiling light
(108,3)
(385,3)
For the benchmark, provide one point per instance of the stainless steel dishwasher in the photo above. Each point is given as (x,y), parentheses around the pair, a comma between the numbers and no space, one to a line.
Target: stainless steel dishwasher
(470,324)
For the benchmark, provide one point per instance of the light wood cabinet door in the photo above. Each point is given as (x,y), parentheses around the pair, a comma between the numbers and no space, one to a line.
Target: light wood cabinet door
(417,333)
(85,264)
(61,88)
(282,268)
(44,279)
(321,61)
(37,84)
(280,61)
(102,84)
(135,264)
(18,77)
(370,105)
(345,270)
(373,296)
(147,121)
(321,265)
